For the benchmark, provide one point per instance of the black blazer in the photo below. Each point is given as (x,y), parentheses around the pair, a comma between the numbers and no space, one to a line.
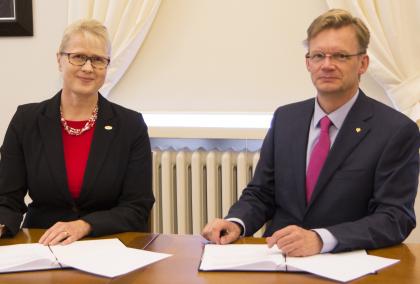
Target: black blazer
(116,194)
(365,193)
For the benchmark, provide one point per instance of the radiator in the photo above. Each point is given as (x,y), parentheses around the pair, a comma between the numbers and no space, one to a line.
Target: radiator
(194,187)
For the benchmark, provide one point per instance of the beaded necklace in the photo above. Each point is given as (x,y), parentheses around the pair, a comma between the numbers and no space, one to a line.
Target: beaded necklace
(78,131)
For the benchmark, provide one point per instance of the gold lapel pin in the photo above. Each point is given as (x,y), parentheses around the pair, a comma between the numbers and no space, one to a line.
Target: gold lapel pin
(358,129)
(108,127)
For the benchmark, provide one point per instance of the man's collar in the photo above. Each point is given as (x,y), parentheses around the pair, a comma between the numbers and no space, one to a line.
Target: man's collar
(337,117)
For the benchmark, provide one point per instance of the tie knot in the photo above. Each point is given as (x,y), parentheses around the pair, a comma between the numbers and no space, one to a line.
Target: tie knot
(325,124)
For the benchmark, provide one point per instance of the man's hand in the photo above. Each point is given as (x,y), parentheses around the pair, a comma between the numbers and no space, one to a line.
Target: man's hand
(296,241)
(221,231)
(65,233)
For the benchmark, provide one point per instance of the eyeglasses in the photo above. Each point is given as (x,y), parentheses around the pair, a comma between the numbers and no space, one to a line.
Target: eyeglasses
(79,59)
(318,57)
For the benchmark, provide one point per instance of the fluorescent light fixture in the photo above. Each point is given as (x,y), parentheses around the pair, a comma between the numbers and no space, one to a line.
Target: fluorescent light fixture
(208,120)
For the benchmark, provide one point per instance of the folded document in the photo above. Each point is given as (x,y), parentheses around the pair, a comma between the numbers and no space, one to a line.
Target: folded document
(108,257)
(339,266)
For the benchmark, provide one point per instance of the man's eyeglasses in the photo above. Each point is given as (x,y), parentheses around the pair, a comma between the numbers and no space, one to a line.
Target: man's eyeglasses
(79,59)
(318,57)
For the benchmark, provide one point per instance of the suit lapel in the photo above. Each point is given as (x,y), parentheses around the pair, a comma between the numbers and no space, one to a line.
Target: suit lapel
(50,129)
(354,129)
(300,132)
(105,130)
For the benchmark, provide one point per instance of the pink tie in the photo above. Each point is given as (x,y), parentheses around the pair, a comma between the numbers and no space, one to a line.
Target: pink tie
(318,156)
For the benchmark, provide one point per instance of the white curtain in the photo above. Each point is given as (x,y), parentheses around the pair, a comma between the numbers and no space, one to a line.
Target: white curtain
(394,48)
(128,22)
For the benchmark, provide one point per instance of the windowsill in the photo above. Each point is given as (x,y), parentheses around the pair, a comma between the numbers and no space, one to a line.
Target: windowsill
(207,125)
(207,132)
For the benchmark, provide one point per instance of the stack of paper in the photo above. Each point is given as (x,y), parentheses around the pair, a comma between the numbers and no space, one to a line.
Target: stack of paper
(340,266)
(107,257)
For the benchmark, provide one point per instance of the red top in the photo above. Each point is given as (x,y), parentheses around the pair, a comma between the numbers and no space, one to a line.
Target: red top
(76,152)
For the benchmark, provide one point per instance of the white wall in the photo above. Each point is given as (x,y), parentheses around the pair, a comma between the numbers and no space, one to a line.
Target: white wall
(223,56)
(200,55)
(28,68)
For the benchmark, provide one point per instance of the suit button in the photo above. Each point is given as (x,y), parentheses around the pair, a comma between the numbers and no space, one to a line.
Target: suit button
(75,209)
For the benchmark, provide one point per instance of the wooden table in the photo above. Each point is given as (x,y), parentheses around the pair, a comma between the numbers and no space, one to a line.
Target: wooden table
(182,266)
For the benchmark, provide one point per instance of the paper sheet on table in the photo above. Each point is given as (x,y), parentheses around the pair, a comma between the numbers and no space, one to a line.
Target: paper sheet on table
(342,267)
(25,257)
(107,257)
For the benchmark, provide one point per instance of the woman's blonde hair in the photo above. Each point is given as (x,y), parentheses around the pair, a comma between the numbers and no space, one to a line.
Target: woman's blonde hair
(90,29)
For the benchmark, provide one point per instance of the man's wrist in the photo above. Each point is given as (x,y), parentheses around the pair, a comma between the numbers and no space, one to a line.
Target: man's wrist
(240,223)
(241,229)
(329,241)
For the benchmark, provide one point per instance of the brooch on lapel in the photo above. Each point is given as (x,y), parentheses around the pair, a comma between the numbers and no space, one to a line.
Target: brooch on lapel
(358,129)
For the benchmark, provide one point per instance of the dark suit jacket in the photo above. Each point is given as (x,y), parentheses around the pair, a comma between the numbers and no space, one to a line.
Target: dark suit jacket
(365,193)
(116,194)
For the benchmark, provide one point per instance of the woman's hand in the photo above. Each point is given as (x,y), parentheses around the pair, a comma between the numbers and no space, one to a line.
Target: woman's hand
(65,233)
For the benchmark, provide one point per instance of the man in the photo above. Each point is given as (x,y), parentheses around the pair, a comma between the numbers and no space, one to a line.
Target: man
(336,173)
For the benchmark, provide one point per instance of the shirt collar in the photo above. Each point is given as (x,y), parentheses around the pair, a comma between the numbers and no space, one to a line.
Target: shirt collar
(337,117)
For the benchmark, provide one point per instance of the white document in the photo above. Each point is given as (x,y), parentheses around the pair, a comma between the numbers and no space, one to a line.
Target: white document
(345,266)
(242,258)
(107,257)
(339,266)
(26,257)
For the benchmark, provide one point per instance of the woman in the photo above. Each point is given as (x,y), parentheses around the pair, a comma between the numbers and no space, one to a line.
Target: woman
(85,161)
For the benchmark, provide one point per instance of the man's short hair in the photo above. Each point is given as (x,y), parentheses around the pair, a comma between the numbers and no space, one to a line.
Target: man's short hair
(335,19)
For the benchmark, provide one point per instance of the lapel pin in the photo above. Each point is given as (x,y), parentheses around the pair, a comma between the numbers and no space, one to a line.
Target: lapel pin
(358,129)
(108,127)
